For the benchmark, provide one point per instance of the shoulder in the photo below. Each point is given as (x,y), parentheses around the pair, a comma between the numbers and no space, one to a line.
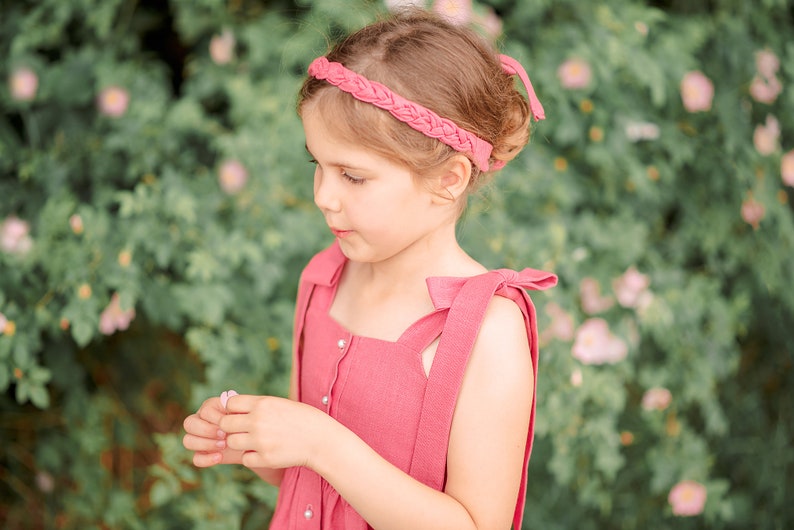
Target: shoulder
(501,355)
(505,320)
(503,315)
(502,345)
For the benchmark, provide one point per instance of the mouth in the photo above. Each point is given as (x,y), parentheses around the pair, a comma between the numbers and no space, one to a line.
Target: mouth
(341,234)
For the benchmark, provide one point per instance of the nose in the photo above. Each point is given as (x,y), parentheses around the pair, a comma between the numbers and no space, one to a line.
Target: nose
(325,194)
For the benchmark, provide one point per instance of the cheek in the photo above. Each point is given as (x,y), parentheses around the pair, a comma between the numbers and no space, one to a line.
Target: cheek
(391,212)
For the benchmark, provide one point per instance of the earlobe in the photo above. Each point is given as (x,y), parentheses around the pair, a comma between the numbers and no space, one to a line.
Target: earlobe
(455,179)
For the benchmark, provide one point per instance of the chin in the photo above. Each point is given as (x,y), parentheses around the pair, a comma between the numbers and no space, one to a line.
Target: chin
(360,253)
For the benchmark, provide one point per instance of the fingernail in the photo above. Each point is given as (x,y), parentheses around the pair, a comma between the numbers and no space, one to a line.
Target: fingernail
(221,443)
(221,434)
(217,457)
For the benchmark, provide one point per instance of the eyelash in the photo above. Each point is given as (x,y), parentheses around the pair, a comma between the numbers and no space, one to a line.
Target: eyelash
(351,179)
(356,181)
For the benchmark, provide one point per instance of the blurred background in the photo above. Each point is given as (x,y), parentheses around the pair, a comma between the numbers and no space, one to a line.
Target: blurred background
(156,211)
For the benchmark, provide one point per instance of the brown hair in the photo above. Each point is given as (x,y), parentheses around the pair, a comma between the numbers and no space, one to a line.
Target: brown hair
(448,69)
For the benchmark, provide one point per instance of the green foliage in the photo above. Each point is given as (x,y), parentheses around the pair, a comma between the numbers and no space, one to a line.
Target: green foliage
(132,209)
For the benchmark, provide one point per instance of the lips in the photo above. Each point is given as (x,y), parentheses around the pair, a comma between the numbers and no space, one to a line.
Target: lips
(341,234)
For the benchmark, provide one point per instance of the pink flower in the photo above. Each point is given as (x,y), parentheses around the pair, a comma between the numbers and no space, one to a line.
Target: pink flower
(697,91)
(576,378)
(222,47)
(752,211)
(113,101)
(458,12)
(787,168)
(630,287)
(687,498)
(575,73)
(225,395)
(595,344)
(232,177)
(76,224)
(15,236)
(767,63)
(561,326)
(637,131)
(114,317)
(765,137)
(45,482)
(590,294)
(23,84)
(3,322)
(398,5)
(656,399)
(765,90)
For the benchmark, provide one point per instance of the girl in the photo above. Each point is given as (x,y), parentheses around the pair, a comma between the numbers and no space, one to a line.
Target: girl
(412,393)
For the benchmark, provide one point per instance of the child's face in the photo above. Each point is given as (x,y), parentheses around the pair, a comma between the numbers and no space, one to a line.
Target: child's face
(374,207)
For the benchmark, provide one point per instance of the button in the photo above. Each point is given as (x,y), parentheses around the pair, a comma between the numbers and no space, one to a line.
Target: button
(325,400)
(308,514)
(341,343)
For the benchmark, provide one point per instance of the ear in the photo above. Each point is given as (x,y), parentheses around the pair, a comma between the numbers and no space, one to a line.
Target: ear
(454,180)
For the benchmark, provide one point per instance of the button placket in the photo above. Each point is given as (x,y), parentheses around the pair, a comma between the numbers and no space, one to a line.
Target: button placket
(341,344)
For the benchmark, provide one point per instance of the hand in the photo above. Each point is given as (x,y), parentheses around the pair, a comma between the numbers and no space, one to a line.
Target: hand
(274,432)
(206,439)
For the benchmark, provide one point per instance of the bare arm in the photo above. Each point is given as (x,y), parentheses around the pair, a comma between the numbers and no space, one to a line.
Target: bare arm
(485,456)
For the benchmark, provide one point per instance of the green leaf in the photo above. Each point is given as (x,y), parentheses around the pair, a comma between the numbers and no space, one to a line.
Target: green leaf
(82,332)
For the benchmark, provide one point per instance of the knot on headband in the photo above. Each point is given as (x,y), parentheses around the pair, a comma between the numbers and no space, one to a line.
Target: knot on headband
(417,116)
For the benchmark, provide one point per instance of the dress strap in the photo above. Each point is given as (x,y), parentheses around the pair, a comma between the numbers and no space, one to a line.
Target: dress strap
(446,375)
(419,335)
(463,323)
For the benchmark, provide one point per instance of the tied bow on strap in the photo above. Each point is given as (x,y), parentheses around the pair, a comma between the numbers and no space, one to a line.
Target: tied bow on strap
(444,289)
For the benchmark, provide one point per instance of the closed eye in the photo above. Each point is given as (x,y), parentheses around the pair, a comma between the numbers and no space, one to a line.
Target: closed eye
(352,179)
(347,176)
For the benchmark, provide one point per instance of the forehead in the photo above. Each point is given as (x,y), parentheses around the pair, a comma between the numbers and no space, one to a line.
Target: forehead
(357,122)
(331,146)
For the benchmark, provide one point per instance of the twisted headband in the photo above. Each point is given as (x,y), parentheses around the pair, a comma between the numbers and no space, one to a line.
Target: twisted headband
(417,116)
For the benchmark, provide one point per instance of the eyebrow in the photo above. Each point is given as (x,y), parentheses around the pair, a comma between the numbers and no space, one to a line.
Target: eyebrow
(337,163)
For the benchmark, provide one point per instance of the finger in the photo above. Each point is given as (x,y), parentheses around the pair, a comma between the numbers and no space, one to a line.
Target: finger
(211,410)
(252,460)
(207,459)
(193,424)
(198,443)
(241,441)
(242,403)
(236,423)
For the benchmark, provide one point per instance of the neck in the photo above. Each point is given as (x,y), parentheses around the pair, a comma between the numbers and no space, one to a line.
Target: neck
(437,254)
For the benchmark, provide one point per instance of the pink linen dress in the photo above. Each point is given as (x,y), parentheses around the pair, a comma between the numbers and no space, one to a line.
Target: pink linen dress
(378,388)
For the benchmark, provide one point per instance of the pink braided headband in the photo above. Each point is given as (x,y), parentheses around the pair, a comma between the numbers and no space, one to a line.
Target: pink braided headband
(418,117)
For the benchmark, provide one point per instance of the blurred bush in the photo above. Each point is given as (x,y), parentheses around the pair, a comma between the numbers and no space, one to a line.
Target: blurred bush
(155,212)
